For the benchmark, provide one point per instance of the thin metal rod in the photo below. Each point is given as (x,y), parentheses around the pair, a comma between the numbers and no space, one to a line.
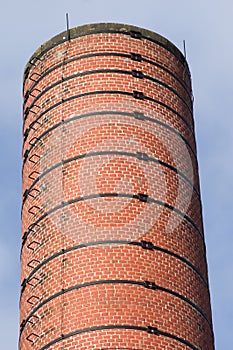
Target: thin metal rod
(67,26)
(184,48)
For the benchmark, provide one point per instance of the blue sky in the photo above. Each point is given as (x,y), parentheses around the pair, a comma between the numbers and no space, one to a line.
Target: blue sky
(207,28)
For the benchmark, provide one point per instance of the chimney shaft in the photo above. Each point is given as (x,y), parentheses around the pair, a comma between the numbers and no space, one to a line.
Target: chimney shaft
(113,253)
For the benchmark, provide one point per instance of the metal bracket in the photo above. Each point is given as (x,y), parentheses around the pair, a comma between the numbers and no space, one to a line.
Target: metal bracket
(137,74)
(30,77)
(26,95)
(33,141)
(26,155)
(31,175)
(22,325)
(33,190)
(26,134)
(32,284)
(142,156)
(29,300)
(31,110)
(152,330)
(34,156)
(34,316)
(135,34)
(31,126)
(31,211)
(29,193)
(29,246)
(136,57)
(143,197)
(32,335)
(35,89)
(150,285)
(30,229)
(29,264)
(138,94)
(23,284)
(147,245)
(34,59)
(27,109)
(139,115)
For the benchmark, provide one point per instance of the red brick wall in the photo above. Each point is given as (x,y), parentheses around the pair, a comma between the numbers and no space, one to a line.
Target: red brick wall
(112,224)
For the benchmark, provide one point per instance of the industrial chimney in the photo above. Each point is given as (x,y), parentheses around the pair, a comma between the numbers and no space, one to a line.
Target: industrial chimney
(113,252)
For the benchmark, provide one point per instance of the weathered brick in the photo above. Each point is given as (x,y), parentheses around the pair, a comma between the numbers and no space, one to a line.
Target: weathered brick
(112,223)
